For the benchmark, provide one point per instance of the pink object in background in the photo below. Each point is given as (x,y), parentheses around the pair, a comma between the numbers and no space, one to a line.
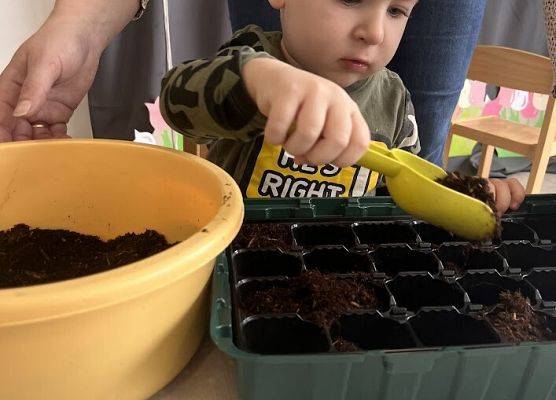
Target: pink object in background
(155,117)
(162,134)
(530,112)
(478,93)
(503,100)
(492,108)
(505,97)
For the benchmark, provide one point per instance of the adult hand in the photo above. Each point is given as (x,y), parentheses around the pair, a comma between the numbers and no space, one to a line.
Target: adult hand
(46,80)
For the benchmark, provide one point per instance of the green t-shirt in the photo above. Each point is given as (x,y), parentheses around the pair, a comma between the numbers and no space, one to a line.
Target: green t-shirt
(206,100)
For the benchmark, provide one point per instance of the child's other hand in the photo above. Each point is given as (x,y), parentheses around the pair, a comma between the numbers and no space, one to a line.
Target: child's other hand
(329,127)
(508,194)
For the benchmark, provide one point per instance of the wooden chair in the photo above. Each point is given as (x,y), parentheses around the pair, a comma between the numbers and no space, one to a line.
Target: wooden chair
(189,146)
(520,70)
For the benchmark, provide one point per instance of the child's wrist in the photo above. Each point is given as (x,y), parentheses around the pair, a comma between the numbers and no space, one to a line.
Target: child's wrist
(253,73)
(250,71)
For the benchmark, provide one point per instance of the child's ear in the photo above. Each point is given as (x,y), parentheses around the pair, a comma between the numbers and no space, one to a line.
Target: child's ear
(277,4)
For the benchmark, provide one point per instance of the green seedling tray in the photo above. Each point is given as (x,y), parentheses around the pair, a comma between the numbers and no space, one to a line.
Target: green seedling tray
(495,371)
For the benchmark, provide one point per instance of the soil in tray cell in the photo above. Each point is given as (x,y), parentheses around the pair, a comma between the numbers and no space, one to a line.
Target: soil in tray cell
(516,321)
(264,236)
(316,297)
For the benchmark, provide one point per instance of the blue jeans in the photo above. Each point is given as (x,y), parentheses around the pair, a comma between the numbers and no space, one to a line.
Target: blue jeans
(432,59)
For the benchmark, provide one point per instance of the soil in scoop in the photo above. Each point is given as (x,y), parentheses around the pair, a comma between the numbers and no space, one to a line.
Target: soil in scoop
(35,256)
(317,297)
(475,187)
(516,321)
(264,235)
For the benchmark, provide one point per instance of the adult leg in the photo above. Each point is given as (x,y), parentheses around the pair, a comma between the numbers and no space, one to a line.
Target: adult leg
(258,12)
(433,59)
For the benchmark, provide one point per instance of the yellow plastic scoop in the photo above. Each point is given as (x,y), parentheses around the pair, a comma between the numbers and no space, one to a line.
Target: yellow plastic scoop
(411,182)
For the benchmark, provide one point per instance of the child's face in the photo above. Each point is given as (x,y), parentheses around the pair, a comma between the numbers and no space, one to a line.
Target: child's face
(342,40)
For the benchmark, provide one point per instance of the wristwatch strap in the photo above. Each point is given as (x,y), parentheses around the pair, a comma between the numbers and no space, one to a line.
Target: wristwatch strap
(142,7)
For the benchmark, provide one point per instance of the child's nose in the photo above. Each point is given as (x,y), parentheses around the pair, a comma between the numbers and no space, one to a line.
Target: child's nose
(371,31)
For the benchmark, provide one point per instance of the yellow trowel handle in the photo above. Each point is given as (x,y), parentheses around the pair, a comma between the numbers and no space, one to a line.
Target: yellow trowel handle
(378,158)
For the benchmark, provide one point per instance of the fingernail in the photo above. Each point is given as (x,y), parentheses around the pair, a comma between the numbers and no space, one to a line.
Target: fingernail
(22,108)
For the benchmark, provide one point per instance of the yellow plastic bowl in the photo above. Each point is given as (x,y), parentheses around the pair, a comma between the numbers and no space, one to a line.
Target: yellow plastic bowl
(125,333)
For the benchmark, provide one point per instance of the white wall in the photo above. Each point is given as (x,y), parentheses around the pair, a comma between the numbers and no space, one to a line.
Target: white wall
(18,20)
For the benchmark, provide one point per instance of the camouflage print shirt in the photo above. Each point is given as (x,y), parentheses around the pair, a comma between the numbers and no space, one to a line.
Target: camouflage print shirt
(206,100)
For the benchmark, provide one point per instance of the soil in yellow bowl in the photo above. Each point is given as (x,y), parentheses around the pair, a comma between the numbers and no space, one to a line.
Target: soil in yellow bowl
(36,256)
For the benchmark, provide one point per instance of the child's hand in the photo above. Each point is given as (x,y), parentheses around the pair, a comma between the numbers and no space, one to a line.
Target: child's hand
(329,127)
(508,193)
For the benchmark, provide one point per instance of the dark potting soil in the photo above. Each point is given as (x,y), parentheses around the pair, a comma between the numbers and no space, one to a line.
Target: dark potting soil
(475,187)
(345,346)
(35,256)
(316,297)
(459,271)
(264,235)
(516,321)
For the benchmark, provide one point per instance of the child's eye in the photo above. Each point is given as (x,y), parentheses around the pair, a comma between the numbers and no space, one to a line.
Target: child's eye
(351,2)
(397,12)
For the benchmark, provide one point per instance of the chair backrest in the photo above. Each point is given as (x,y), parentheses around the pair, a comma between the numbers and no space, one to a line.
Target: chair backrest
(511,68)
(521,70)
